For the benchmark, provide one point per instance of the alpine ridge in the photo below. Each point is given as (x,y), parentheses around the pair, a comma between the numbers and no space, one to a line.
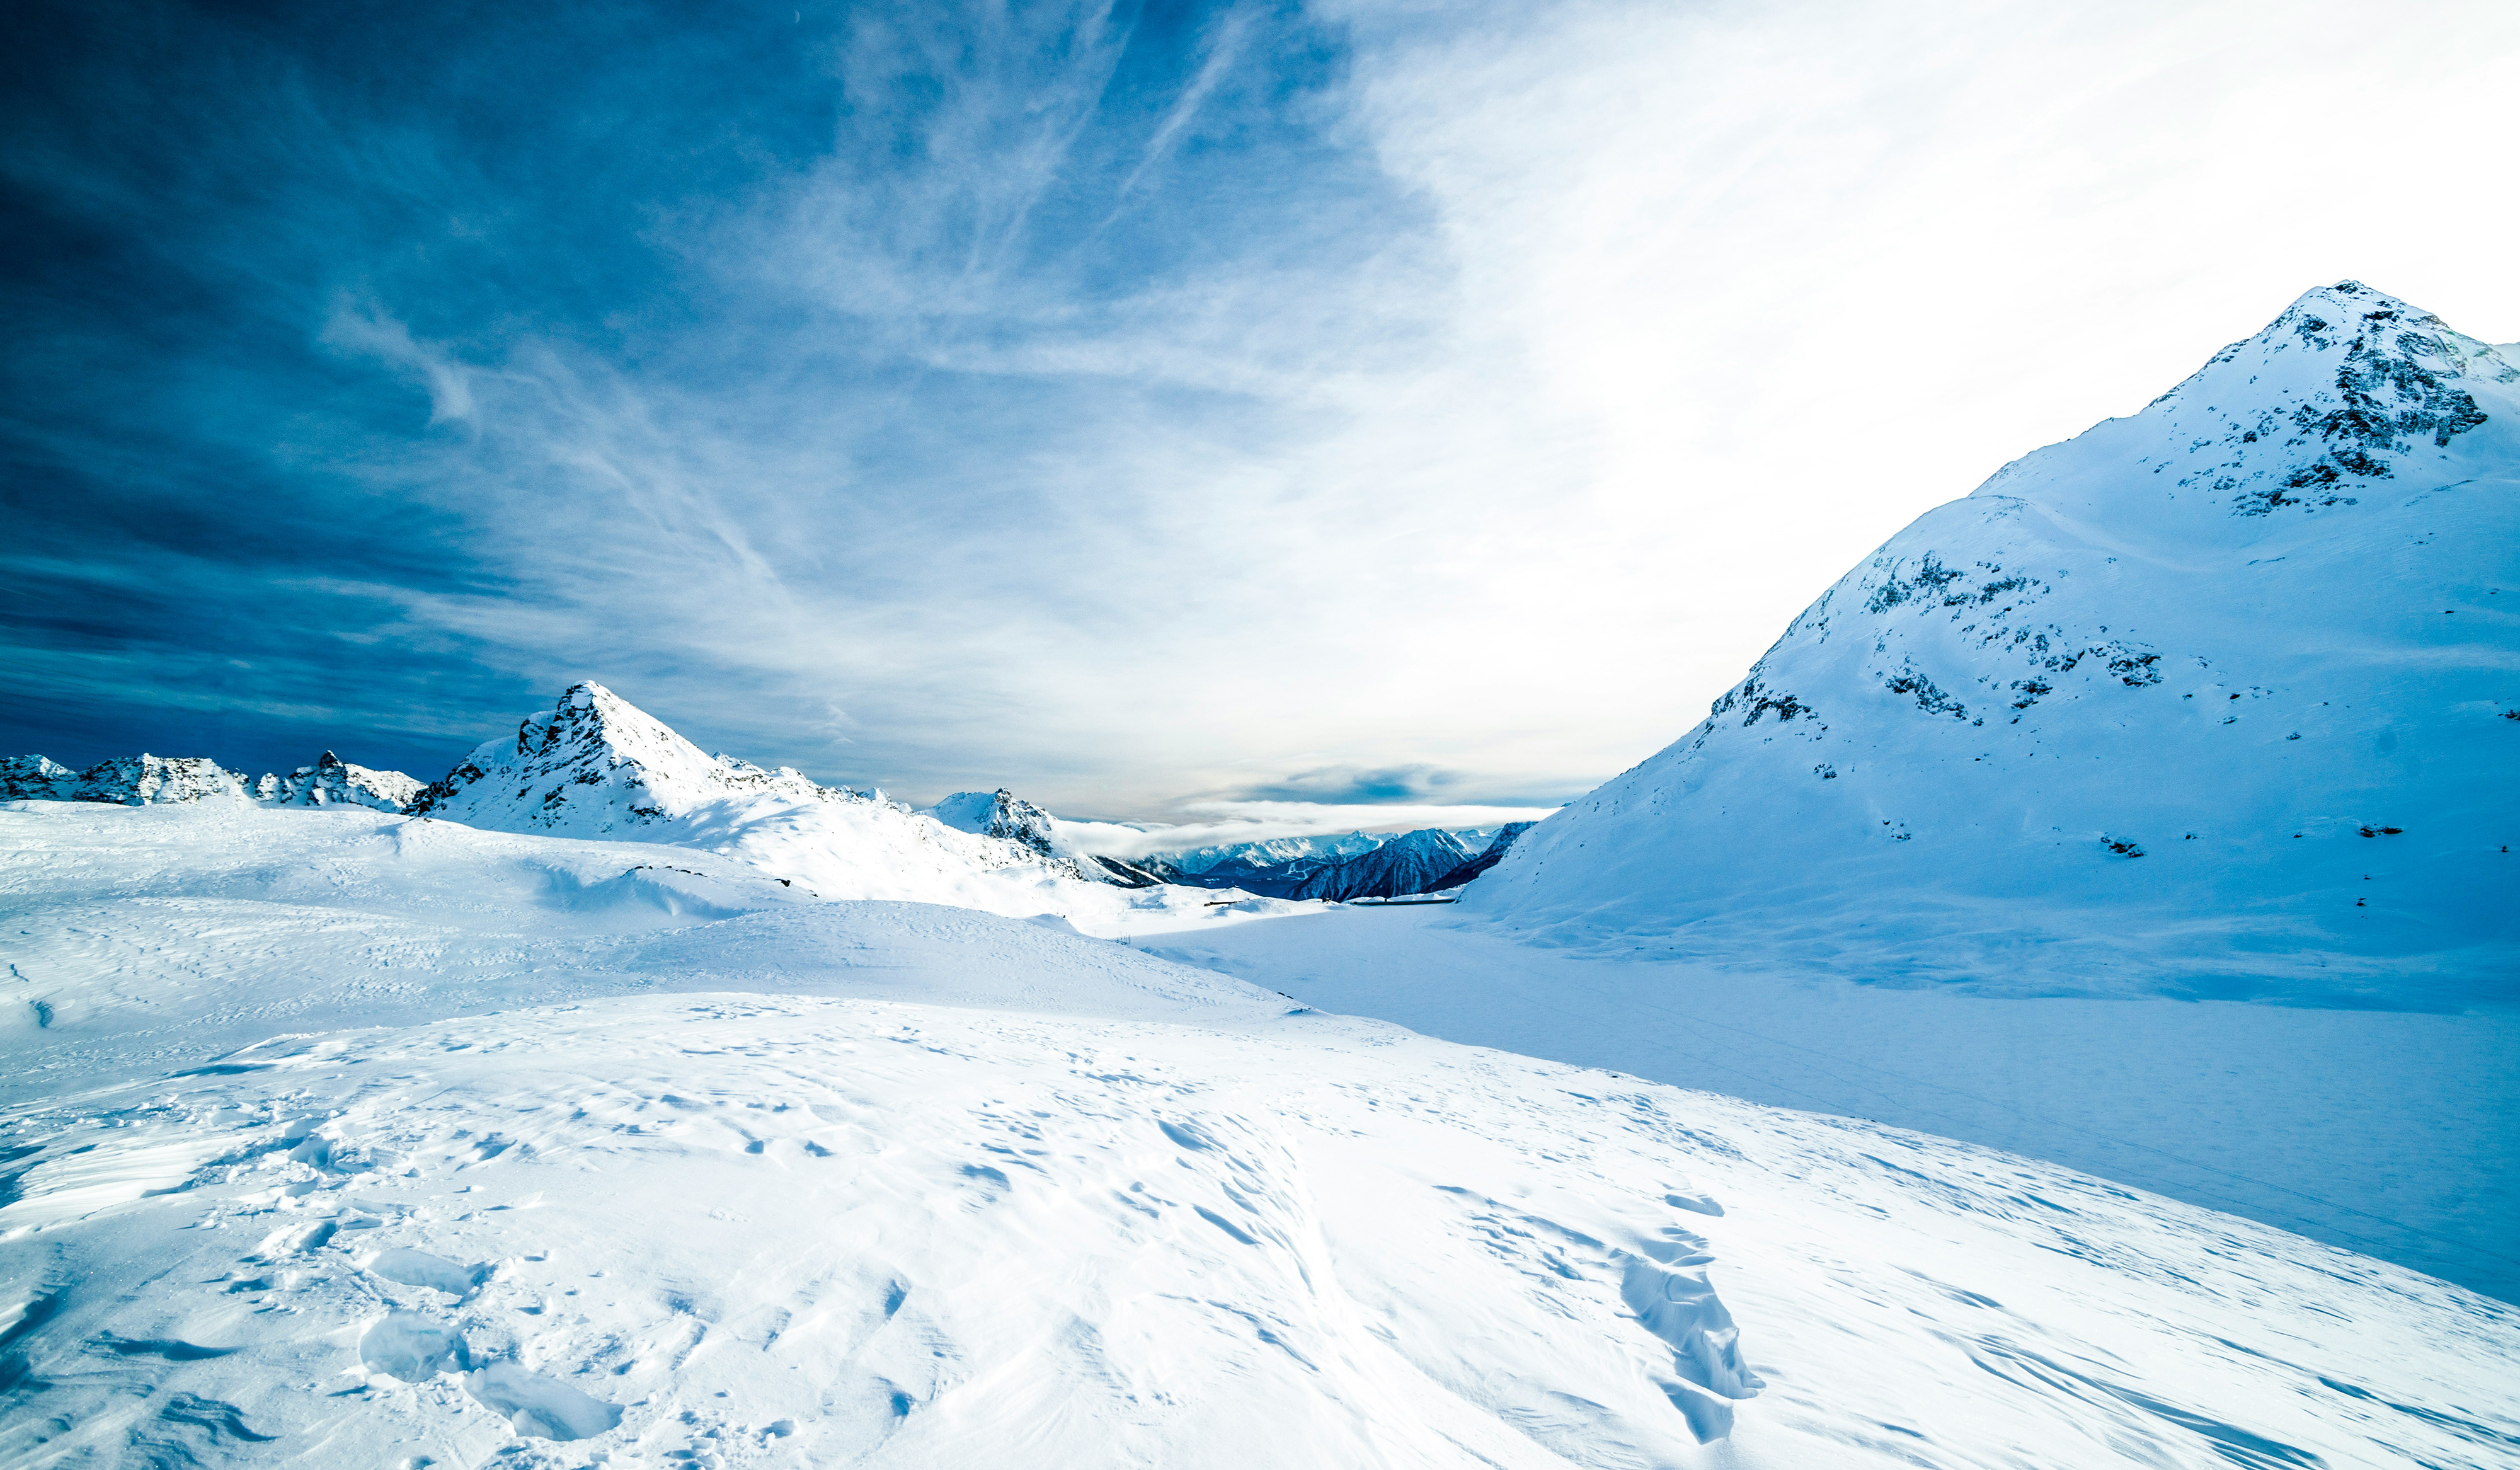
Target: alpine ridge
(2215,699)
(597,766)
(1414,862)
(1000,814)
(145,780)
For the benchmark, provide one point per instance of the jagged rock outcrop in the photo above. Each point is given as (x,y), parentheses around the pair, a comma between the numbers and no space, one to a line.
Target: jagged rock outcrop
(2215,699)
(333,782)
(147,780)
(129,781)
(1003,815)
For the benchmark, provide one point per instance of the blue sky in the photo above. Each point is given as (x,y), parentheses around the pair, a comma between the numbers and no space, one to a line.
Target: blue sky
(1156,409)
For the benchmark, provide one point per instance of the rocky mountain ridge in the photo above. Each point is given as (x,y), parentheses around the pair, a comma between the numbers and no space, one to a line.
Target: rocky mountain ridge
(1414,862)
(2213,700)
(145,780)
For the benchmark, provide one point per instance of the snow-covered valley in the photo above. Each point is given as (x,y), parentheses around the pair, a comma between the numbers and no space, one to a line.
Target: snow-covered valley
(340,1138)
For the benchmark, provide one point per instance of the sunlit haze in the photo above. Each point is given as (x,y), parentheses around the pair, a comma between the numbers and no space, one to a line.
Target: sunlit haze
(1273,417)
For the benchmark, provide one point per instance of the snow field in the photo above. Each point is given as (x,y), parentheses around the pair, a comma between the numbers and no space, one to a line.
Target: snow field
(339,1139)
(766,1230)
(2393,1133)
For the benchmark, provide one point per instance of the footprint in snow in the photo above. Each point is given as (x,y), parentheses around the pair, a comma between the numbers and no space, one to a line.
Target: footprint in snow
(413,1267)
(411,1347)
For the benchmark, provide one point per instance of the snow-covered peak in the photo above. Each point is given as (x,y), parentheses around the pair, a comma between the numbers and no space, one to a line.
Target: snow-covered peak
(1007,817)
(1263,854)
(333,782)
(2215,699)
(1414,862)
(2348,391)
(1000,814)
(598,766)
(130,780)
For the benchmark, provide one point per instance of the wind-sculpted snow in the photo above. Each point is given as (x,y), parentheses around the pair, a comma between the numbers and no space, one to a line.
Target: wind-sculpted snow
(354,1140)
(2222,699)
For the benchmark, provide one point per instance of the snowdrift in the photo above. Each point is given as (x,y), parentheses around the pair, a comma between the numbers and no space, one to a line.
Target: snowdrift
(2219,700)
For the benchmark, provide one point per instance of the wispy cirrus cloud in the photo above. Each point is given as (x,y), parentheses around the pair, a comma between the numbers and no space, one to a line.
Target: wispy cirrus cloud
(1355,407)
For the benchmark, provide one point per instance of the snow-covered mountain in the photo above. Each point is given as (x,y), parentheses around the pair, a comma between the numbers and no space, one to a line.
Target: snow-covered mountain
(333,782)
(1265,859)
(144,780)
(130,781)
(1414,862)
(2219,699)
(597,766)
(342,1139)
(1488,856)
(1301,866)
(1277,851)
(1000,814)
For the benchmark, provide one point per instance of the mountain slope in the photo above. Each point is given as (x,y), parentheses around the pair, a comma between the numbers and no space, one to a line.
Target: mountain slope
(1266,865)
(2219,699)
(1489,857)
(144,780)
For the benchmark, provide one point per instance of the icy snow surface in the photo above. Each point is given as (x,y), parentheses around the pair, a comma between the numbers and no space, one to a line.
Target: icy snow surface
(2219,700)
(336,1137)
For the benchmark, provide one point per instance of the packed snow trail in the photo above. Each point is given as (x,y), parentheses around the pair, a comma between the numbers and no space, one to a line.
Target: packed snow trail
(342,1138)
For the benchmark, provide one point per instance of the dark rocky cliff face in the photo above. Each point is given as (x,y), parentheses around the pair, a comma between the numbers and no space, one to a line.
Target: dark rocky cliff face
(1412,863)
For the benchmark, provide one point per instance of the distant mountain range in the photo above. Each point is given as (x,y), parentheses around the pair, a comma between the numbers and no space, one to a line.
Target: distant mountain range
(139,780)
(597,766)
(1350,865)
